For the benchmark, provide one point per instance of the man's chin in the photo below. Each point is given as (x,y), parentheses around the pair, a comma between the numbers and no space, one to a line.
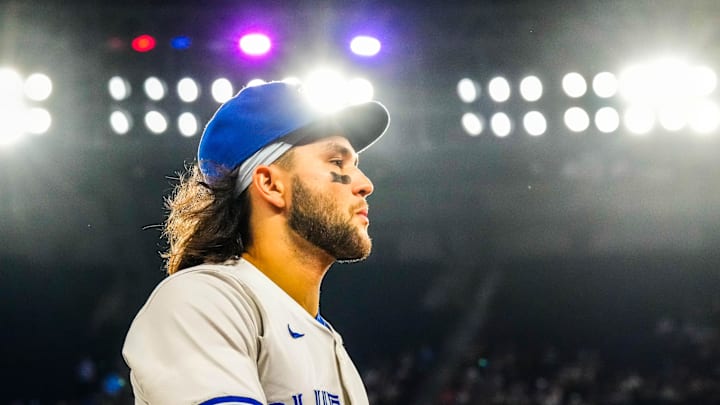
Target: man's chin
(359,255)
(352,259)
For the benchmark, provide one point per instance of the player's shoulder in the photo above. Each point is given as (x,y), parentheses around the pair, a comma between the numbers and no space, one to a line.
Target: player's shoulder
(193,277)
(205,284)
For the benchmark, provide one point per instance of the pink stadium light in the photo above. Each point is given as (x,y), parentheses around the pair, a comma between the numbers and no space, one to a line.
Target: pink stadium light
(255,44)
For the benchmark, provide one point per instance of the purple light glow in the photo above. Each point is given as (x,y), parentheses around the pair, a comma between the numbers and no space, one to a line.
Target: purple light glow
(255,44)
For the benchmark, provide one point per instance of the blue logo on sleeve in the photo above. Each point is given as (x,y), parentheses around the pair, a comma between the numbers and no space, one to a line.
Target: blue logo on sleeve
(293,334)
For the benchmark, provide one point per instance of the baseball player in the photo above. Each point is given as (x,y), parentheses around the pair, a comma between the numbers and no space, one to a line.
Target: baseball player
(275,199)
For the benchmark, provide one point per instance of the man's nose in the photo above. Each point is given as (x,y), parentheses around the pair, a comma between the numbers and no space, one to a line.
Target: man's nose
(362,184)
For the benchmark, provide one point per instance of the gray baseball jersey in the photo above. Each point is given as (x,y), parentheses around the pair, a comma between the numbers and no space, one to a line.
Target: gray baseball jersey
(226,334)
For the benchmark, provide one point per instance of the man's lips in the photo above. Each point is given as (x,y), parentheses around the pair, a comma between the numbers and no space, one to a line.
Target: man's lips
(363,213)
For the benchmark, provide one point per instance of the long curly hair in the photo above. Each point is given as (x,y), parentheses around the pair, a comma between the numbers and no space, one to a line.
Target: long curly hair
(208,223)
(205,223)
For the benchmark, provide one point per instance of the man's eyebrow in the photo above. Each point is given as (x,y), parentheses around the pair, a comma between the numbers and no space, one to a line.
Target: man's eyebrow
(346,153)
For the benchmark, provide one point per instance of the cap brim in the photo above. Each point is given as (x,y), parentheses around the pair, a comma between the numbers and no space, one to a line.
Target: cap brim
(362,124)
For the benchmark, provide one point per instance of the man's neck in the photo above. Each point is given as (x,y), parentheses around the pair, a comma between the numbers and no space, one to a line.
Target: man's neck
(297,269)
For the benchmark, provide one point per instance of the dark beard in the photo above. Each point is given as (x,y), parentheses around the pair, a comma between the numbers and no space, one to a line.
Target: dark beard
(318,220)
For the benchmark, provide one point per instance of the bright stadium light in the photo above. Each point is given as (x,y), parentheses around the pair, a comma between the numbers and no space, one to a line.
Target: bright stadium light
(704,117)
(535,123)
(221,90)
(672,116)
(671,91)
(472,124)
(16,119)
(11,122)
(669,81)
(607,120)
(38,87)
(467,90)
(326,89)
(639,119)
(499,89)
(12,107)
(364,45)
(359,91)
(576,119)
(37,121)
(119,88)
(154,88)
(703,81)
(156,122)
(188,124)
(634,83)
(574,85)
(188,90)
(605,84)
(501,125)
(11,85)
(120,122)
(255,44)
(656,82)
(531,88)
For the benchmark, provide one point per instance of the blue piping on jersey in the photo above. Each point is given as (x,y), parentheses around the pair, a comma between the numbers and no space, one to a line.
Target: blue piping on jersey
(322,321)
(231,400)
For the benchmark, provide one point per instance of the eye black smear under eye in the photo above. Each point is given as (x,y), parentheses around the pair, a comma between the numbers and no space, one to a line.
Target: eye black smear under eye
(340,178)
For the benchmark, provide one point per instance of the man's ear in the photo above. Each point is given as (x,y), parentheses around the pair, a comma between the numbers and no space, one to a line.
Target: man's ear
(270,184)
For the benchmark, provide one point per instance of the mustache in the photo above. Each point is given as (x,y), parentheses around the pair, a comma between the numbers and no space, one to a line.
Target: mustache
(359,206)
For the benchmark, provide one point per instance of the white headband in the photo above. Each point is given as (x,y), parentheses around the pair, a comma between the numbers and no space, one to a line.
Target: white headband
(264,156)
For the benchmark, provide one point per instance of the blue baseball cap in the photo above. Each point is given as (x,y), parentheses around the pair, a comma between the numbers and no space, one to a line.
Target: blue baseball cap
(260,115)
